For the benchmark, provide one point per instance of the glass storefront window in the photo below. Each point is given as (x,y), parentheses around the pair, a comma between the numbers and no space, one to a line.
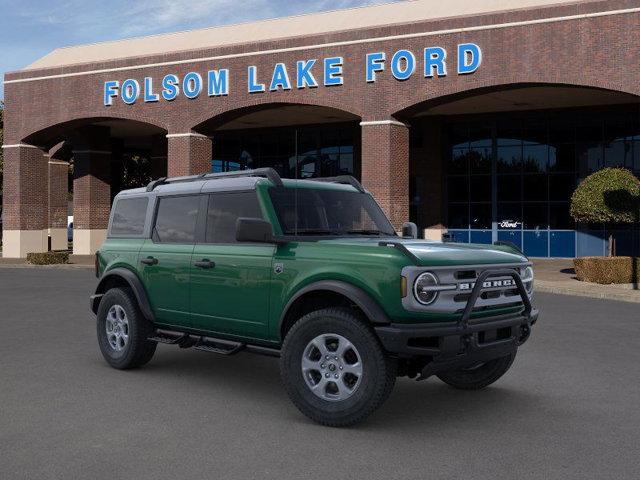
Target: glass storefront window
(326,150)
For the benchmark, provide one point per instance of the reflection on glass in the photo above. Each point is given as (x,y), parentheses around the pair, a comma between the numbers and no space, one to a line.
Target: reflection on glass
(509,159)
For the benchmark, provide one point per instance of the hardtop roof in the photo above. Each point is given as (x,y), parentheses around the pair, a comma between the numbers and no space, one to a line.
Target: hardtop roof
(212,185)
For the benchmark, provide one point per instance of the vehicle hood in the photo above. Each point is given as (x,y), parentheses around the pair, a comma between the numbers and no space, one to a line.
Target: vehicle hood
(429,253)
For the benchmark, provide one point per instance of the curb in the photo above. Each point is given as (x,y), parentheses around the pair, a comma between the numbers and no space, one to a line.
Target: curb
(603,293)
(62,266)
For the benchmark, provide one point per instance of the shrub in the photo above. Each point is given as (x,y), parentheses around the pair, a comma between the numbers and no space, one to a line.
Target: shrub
(48,258)
(611,195)
(607,270)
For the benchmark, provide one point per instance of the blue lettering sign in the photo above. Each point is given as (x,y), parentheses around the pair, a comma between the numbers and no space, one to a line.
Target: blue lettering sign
(110,92)
(304,77)
(403,64)
(434,59)
(280,78)
(218,82)
(254,87)
(130,91)
(469,58)
(333,71)
(192,85)
(149,96)
(170,87)
(375,63)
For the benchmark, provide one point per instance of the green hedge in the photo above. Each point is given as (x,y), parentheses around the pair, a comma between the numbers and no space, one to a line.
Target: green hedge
(607,270)
(611,195)
(48,258)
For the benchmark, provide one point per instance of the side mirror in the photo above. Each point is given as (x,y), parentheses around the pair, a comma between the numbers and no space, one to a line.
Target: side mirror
(409,230)
(254,230)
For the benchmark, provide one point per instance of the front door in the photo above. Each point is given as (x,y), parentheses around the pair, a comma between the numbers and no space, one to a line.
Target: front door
(165,259)
(230,281)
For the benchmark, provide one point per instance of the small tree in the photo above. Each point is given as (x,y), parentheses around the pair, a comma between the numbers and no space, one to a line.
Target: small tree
(611,195)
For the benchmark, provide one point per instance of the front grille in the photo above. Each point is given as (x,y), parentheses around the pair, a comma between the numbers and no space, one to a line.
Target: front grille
(498,292)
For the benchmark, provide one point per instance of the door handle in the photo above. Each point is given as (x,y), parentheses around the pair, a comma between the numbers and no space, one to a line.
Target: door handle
(149,261)
(205,263)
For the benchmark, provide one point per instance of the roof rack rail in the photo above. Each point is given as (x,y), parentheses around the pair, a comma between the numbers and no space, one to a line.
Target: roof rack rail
(343,179)
(269,173)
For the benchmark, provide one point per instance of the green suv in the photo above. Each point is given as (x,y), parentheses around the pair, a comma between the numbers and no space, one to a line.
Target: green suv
(310,271)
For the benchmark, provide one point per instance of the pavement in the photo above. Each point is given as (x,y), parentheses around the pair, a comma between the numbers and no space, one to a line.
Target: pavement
(557,275)
(568,408)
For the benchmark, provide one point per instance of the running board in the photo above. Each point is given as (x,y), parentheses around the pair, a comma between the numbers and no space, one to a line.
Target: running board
(209,344)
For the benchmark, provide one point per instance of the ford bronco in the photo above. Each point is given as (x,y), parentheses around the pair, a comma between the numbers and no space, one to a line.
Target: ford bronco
(310,271)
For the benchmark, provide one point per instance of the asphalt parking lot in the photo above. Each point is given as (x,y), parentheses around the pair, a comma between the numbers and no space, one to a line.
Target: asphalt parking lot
(567,409)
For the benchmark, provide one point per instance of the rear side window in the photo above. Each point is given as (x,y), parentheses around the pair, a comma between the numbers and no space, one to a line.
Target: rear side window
(224,209)
(129,216)
(176,219)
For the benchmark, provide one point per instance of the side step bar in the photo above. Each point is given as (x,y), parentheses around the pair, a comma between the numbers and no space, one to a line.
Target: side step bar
(209,344)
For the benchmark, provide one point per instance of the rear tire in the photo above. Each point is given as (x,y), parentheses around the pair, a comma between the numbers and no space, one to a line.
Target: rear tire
(478,377)
(123,331)
(334,369)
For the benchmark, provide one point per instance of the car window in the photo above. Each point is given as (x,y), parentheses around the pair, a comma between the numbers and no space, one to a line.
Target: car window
(224,209)
(128,216)
(324,211)
(176,219)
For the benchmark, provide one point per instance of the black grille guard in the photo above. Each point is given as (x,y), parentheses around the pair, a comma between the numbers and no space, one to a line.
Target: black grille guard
(477,291)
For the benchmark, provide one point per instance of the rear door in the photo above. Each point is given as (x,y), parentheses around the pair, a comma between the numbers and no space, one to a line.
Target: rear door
(165,259)
(230,281)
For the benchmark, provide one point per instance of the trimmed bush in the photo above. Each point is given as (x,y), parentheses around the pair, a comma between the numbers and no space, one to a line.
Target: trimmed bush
(48,258)
(607,270)
(611,195)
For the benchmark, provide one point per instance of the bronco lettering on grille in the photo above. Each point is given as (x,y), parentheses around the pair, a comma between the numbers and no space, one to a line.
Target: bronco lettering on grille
(506,283)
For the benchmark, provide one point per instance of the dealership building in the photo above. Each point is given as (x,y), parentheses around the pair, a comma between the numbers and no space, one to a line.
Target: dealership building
(472,118)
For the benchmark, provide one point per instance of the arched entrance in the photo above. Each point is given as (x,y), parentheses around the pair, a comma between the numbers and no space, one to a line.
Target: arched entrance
(502,163)
(100,155)
(299,141)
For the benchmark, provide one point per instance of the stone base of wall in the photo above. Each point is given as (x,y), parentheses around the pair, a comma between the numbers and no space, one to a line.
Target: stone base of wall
(17,243)
(58,238)
(87,242)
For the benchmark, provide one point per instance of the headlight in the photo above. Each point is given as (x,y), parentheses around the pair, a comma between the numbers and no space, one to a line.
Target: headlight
(425,288)
(527,279)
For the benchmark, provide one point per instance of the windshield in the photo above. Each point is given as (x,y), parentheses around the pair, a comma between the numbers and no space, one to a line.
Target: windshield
(304,211)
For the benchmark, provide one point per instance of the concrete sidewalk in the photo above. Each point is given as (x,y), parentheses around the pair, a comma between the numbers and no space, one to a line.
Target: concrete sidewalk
(558,276)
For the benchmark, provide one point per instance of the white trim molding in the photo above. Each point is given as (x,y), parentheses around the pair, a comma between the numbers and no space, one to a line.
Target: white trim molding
(477,28)
(58,162)
(383,122)
(21,145)
(190,134)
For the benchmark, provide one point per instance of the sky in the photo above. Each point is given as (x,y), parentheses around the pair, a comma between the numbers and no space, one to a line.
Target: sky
(29,29)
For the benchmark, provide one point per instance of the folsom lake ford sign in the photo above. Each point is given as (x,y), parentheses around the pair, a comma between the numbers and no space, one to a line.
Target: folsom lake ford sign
(308,73)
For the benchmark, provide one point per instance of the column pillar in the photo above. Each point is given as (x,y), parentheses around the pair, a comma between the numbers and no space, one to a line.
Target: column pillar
(385,167)
(25,212)
(158,156)
(58,190)
(188,154)
(91,199)
(91,188)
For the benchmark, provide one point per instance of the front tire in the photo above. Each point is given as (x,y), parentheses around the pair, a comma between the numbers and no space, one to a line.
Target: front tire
(478,376)
(334,369)
(123,331)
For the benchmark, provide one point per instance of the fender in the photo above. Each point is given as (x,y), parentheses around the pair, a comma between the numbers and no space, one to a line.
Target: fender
(362,299)
(136,286)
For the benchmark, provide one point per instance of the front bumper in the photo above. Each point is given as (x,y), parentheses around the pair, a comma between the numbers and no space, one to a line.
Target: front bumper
(447,346)
(446,339)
